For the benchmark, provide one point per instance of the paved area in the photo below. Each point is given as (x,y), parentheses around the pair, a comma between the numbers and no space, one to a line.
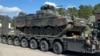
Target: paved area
(11,50)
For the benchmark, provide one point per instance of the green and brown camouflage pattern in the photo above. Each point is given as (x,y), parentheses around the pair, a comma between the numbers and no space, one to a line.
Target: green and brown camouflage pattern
(46,17)
(49,19)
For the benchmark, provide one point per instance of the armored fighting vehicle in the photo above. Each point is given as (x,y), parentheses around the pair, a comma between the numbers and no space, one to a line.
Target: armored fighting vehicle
(47,21)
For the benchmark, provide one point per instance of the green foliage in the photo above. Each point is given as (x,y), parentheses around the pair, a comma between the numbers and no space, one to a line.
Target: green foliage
(61,11)
(73,11)
(96,7)
(85,11)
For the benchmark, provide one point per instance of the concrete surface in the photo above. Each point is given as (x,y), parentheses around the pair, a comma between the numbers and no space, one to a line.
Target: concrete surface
(11,50)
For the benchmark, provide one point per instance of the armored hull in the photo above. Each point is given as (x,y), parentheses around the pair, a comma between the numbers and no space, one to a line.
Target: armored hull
(41,26)
(48,21)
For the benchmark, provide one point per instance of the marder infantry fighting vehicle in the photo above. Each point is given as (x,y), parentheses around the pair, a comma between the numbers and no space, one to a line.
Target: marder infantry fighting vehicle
(48,21)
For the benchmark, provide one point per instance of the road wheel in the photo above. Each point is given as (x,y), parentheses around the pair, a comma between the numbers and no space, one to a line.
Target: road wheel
(44,46)
(24,42)
(56,31)
(42,31)
(4,39)
(36,31)
(26,30)
(57,48)
(16,42)
(33,44)
(31,30)
(9,41)
(49,31)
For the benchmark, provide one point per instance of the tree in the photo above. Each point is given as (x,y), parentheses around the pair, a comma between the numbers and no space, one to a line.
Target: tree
(61,11)
(85,11)
(96,7)
(73,11)
(81,11)
(88,10)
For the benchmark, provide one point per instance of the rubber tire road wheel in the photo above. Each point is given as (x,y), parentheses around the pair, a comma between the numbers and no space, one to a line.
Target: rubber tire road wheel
(24,42)
(16,42)
(36,31)
(4,40)
(31,31)
(42,31)
(56,31)
(57,48)
(44,46)
(49,31)
(9,41)
(26,30)
(33,44)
